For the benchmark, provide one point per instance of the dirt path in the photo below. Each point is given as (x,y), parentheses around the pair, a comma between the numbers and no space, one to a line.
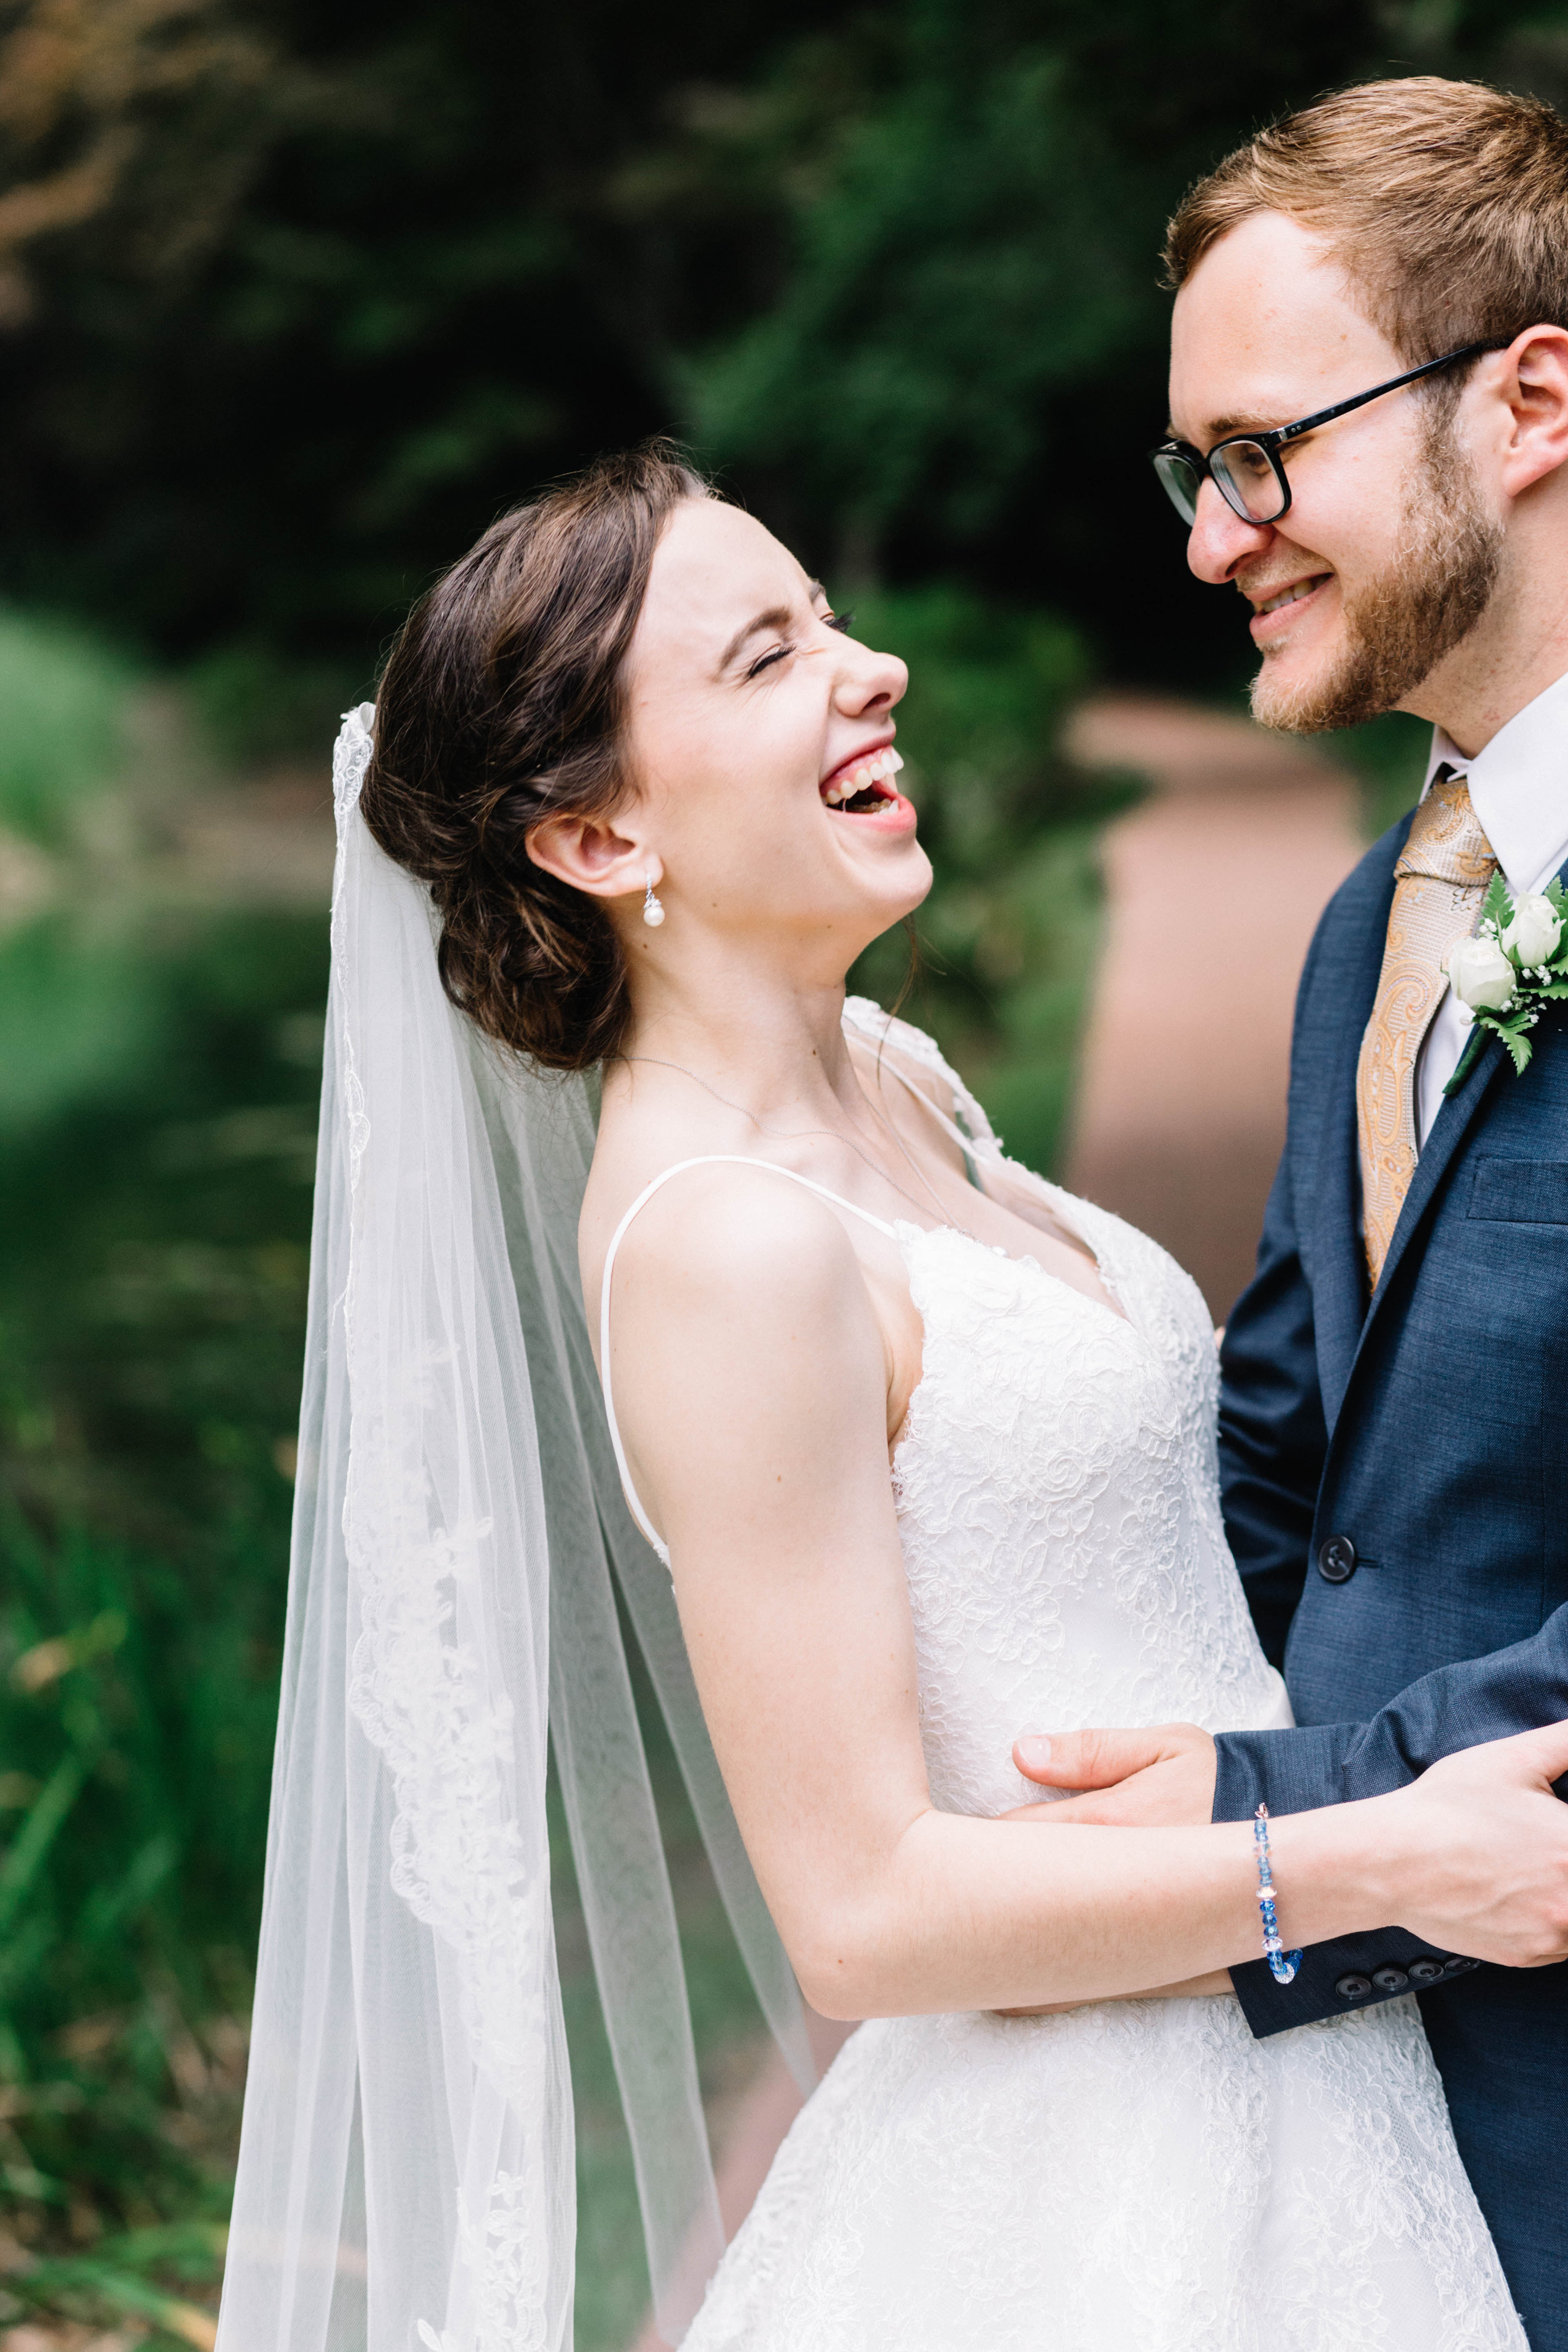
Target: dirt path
(1215,884)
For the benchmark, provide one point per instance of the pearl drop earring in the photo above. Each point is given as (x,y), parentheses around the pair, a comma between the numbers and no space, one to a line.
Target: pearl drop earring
(652,911)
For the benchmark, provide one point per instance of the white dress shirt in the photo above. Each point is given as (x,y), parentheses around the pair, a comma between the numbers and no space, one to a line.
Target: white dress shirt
(1519,789)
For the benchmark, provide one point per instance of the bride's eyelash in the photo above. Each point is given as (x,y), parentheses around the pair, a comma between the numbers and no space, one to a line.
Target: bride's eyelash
(839,621)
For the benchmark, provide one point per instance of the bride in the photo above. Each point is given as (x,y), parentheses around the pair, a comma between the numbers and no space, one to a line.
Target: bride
(927,1447)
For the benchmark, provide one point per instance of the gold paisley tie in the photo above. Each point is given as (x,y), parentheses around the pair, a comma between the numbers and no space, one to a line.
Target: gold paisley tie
(1439,883)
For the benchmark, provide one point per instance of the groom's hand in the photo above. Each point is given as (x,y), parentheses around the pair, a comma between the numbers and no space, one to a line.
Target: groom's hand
(1162,1778)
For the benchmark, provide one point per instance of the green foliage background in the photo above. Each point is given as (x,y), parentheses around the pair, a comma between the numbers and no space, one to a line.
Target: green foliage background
(292,300)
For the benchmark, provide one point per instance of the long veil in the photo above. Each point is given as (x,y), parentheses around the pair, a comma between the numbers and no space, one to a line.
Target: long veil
(406,2161)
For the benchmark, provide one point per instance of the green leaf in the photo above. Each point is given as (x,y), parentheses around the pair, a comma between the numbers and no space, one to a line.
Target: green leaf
(1555,893)
(1497,907)
(1519,1047)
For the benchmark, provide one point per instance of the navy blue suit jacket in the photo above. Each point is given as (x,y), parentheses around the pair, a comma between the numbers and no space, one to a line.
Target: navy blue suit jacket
(1428,1425)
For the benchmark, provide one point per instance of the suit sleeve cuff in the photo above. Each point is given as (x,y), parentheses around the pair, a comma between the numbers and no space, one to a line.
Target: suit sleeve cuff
(1296,1772)
(1335,1979)
(1291,1771)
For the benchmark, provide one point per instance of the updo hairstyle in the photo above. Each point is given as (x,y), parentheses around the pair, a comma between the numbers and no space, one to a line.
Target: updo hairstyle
(503,703)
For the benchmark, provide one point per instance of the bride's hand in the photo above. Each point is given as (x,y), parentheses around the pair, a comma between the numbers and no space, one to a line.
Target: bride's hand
(1159,1778)
(1482,1841)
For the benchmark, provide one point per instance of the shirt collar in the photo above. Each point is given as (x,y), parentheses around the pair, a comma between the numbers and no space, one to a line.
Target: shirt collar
(1519,788)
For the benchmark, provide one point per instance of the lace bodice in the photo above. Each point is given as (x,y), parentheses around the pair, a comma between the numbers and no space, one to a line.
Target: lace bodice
(1057,1492)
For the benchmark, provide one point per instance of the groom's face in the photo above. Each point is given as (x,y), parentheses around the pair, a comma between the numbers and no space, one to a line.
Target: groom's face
(1387,554)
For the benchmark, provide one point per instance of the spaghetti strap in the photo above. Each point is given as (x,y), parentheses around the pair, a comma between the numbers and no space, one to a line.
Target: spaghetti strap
(870,1026)
(967,1144)
(707,1159)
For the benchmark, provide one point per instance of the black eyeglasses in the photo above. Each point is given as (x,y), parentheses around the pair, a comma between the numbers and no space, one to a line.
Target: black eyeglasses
(1246,470)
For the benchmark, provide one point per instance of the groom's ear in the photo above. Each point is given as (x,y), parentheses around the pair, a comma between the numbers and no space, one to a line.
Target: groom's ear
(1533,388)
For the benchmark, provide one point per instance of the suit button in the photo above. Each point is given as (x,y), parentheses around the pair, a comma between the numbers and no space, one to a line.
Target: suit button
(1336,1559)
(1353,1988)
(1390,1979)
(1457,1966)
(1425,1973)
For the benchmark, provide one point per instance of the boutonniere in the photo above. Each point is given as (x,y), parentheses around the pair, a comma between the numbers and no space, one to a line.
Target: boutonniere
(1516,962)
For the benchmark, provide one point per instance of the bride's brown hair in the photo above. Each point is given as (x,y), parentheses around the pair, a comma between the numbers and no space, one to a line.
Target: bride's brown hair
(503,703)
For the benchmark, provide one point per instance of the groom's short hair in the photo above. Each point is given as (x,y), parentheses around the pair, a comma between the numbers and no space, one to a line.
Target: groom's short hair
(1445,201)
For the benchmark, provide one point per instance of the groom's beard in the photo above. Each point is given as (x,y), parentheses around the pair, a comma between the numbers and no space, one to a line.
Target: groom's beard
(1400,626)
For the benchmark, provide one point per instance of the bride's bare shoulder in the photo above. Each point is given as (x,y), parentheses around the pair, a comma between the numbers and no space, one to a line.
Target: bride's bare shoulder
(719,1235)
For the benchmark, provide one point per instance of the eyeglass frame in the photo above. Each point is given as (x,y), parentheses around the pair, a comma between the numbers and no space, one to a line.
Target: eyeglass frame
(1280,436)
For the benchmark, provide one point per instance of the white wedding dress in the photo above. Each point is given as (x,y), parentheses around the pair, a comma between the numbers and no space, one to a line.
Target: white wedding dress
(1130,2176)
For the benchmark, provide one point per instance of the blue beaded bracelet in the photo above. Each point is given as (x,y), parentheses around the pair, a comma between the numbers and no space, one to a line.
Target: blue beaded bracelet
(1284,1964)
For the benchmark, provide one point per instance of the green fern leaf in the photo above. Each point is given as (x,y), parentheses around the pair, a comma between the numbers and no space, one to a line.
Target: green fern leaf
(1497,907)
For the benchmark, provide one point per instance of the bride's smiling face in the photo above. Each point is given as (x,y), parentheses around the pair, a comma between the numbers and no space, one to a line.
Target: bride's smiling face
(760,750)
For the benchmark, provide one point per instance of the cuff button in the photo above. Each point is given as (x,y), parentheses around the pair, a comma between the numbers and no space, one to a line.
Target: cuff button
(1390,1979)
(1425,1973)
(1353,1988)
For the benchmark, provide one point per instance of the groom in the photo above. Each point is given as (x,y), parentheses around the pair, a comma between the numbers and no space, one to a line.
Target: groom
(1395,1411)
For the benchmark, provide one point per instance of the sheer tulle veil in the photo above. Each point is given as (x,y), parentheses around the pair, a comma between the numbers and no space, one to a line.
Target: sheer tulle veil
(406,2162)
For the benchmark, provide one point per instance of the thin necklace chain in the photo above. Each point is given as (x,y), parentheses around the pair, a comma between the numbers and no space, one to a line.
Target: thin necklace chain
(794,1135)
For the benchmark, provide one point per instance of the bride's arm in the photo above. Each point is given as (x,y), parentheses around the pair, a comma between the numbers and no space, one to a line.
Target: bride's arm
(752,1380)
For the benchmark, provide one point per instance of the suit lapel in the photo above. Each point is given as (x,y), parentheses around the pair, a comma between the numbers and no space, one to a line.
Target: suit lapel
(1339,1260)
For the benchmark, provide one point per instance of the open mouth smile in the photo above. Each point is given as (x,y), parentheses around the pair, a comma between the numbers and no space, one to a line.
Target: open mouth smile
(1279,611)
(863,785)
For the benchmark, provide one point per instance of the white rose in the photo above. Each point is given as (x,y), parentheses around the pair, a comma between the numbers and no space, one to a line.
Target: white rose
(1536,931)
(1480,974)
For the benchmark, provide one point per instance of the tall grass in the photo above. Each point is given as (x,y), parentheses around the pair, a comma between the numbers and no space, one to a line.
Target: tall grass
(154,1208)
(134,1740)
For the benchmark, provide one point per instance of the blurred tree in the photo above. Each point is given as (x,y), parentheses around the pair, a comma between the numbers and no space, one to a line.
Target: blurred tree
(129,109)
(295,297)
(1009,931)
(299,297)
(964,359)
(963,252)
